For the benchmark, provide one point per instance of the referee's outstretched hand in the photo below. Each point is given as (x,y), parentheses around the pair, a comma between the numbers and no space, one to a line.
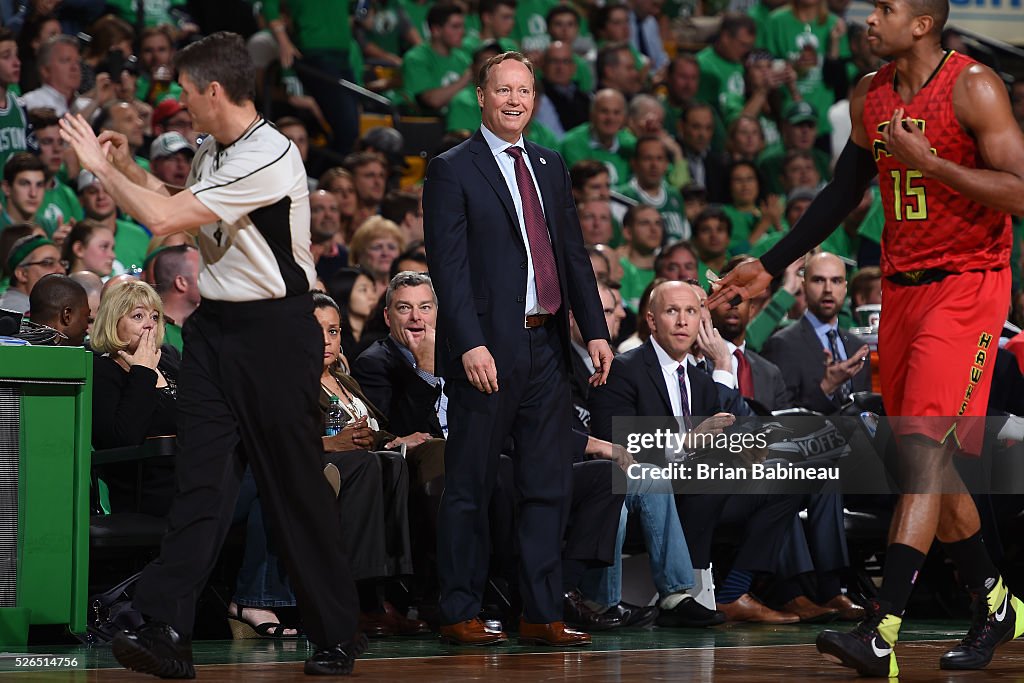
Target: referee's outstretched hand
(77,132)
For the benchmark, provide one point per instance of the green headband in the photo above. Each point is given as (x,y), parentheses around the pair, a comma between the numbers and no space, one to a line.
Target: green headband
(19,253)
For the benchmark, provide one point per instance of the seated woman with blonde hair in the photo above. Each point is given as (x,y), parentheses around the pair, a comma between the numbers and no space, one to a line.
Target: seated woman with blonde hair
(374,246)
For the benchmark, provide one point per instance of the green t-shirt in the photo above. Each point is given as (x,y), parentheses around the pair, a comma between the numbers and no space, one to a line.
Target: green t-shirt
(578,144)
(842,243)
(539,135)
(786,37)
(770,163)
(13,124)
(143,85)
(60,205)
(463,111)
(130,243)
(874,220)
(721,84)
(743,223)
(760,13)
(390,23)
(172,336)
(634,282)
(471,42)
(669,204)
(154,12)
(424,69)
(531,29)
(320,24)
(417,12)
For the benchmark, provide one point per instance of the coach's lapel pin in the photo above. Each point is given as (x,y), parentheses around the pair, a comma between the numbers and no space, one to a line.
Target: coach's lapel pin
(543,160)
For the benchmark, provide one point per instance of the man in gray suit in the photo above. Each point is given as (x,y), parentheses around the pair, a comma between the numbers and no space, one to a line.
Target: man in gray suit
(820,363)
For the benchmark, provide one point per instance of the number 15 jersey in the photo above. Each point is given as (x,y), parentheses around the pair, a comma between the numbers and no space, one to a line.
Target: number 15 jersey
(927,224)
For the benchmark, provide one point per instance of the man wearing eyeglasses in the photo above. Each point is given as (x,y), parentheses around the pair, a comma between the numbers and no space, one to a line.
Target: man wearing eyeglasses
(30,259)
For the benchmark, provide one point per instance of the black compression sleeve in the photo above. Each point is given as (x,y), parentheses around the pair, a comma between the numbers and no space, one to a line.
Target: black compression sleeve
(854,171)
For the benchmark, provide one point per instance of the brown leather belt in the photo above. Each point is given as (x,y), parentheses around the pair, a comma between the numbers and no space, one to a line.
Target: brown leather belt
(538,320)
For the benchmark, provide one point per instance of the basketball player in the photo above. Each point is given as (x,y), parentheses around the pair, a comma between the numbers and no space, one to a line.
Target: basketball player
(937,129)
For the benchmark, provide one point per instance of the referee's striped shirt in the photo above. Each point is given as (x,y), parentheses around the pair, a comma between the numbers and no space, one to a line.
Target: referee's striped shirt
(259,249)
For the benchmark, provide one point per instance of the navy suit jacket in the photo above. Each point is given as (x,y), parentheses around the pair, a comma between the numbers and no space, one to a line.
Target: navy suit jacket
(393,386)
(477,257)
(636,387)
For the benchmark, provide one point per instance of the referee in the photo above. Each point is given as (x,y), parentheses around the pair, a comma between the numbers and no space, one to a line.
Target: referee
(253,354)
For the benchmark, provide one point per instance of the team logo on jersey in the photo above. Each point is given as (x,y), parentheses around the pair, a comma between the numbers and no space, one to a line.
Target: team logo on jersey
(878,145)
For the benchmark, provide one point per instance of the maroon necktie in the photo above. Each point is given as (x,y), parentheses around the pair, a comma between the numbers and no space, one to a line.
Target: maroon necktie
(744,375)
(545,273)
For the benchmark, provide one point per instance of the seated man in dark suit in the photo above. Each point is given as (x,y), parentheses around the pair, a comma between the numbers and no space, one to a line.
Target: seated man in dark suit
(760,380)
(396,374)
(821,363)
(656,379)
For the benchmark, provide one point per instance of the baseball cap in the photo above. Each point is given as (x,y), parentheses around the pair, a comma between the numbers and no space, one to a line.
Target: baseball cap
(166,109)
(169,143)
(86,179)
(800,112)
(798,193)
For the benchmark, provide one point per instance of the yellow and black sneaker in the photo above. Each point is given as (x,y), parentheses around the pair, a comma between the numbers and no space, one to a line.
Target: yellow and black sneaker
(998,616)
(868,648)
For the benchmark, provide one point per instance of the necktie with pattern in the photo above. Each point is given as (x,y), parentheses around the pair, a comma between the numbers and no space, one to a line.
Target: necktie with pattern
(545,273)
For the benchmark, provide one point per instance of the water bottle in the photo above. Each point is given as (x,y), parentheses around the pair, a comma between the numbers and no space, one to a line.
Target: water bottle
(336,418)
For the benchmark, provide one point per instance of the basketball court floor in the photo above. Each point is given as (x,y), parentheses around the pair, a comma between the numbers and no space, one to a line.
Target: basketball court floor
(731,653)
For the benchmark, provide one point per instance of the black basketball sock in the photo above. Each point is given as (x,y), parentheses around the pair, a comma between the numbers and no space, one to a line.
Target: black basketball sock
(902,565)
(973,562)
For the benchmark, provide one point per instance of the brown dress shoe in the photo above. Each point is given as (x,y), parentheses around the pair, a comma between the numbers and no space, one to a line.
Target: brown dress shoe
(403,625)
(809,612)
(471,632)
(376,625)
(555,634)
(748,608)
(848,609)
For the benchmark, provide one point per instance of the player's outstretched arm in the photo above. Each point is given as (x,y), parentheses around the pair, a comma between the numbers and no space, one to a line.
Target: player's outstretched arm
(983,109)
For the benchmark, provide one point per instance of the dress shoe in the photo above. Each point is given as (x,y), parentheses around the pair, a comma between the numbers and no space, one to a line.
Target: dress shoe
(154,648)
(402,624)
(810,612)
(689,612)
(336,660)
(578,615)
(471,632)
(555,634)
(848,609)
(376,625)
(748,608)
(632,615)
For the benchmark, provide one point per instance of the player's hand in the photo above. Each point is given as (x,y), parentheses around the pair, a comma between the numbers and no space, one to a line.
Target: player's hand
(77,132)
(601,356)
(907,142)
(743,282)
(480,369)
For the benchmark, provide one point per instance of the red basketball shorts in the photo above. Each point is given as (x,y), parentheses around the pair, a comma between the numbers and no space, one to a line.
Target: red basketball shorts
(937,345)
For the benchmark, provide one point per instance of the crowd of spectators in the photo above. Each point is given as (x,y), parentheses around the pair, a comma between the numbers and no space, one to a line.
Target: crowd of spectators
(686,151)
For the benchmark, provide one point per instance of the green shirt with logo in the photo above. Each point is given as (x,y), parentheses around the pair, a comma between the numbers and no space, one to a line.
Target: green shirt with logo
(424,69)
(578,144)
(669,204)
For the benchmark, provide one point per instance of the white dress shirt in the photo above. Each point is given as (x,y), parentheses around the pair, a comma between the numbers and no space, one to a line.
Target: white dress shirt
(507,165)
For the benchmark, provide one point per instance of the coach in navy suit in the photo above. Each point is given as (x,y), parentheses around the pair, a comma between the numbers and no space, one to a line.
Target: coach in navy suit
(507,259)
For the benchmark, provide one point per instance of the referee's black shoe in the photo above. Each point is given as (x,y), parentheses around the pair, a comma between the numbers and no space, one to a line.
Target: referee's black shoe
(337,660)
(868,648)
(154,648)
(997,616)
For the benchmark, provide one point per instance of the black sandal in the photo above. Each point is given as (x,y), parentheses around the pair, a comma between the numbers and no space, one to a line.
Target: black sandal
(241,629)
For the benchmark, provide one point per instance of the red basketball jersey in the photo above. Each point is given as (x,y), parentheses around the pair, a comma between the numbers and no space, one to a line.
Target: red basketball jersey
(927,224)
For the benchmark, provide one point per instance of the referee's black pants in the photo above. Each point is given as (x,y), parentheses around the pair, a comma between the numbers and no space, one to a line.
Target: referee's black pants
(248,393)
